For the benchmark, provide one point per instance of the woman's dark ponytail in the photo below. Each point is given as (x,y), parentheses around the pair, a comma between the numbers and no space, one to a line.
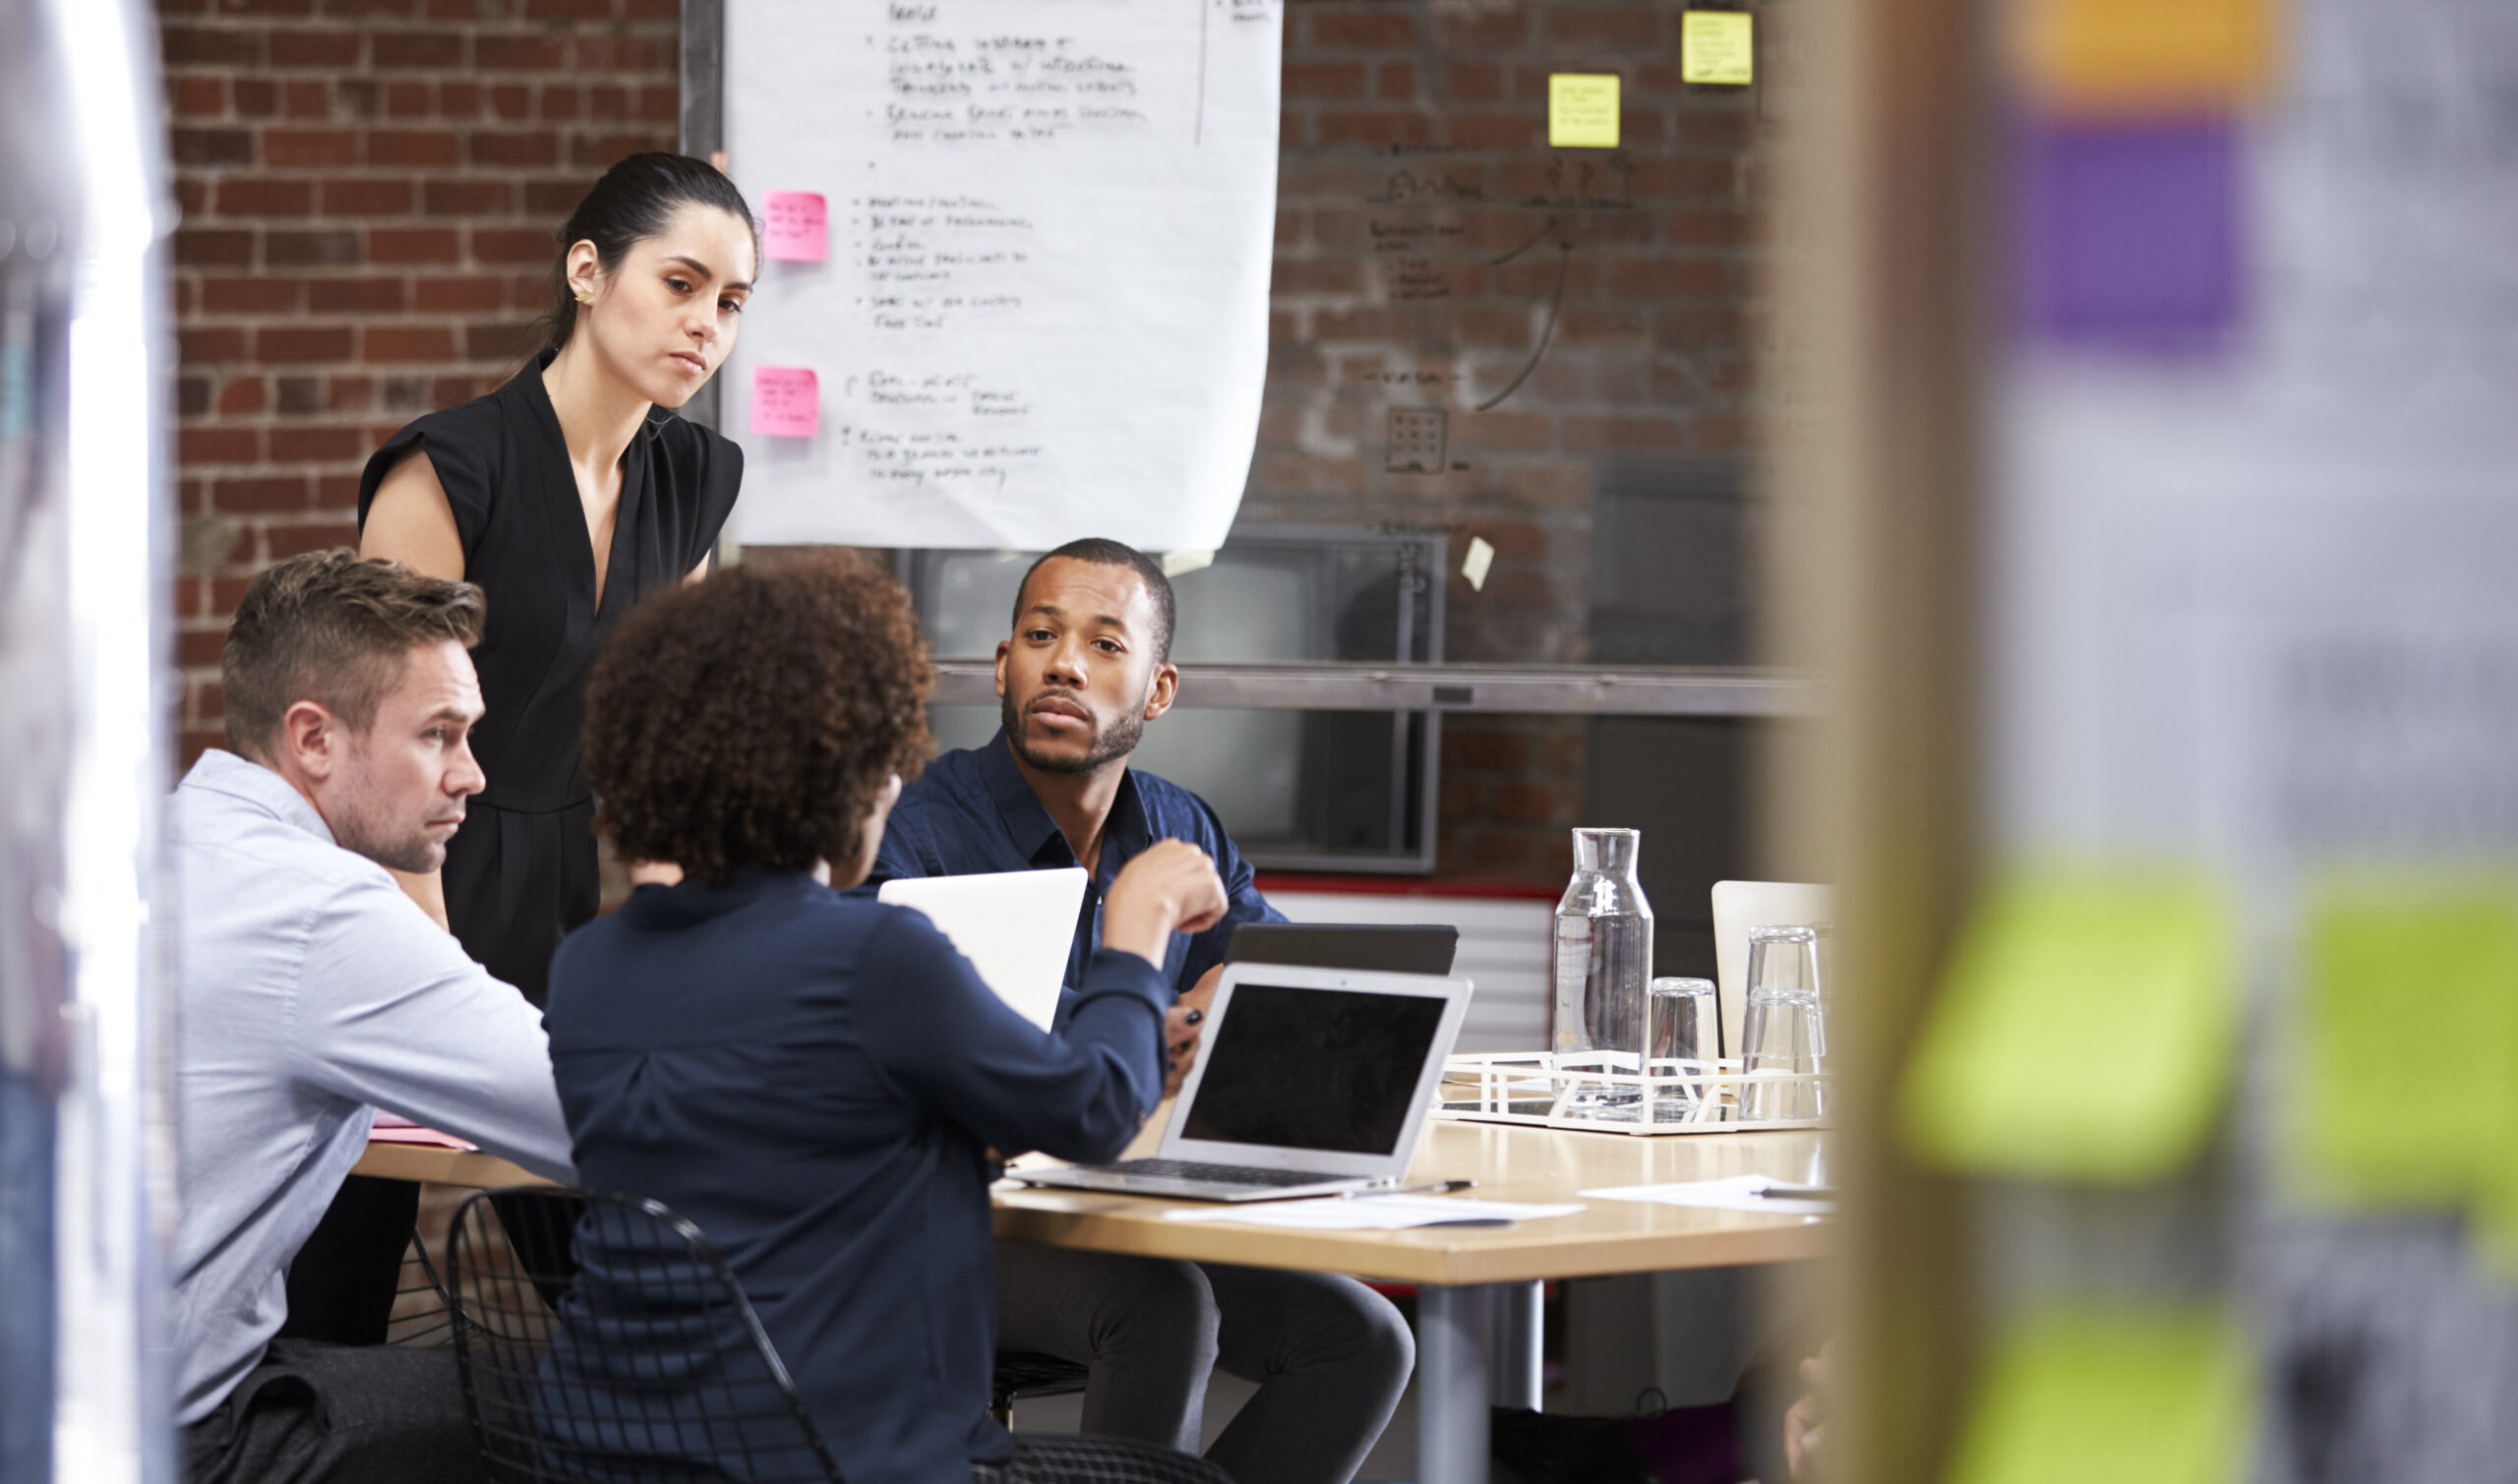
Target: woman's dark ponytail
(636,199)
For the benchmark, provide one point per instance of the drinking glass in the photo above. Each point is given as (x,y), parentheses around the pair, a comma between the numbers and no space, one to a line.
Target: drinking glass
(1685,1026)
(1826,968)
(1784,1041)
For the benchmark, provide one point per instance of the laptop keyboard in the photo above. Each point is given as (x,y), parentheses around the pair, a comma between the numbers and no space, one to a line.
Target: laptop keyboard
(1222,1174)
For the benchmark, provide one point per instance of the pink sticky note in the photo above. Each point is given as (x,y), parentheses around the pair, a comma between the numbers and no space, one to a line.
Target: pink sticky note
(799,226)
(786,401)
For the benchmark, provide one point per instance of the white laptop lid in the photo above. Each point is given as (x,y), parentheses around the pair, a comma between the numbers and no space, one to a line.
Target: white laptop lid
(1740,906)
(1320,1069)
(1014,927)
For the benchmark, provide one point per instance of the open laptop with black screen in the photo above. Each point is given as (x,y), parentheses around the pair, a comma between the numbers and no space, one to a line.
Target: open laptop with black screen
(1308,1082)
(1394,948)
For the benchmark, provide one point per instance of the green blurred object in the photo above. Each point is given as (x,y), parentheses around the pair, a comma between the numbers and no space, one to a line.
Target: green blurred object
(2084,1030)
(2407,1043)
(2158,1398)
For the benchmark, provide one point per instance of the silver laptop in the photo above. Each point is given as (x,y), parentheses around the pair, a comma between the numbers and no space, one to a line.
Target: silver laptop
(1308,1082)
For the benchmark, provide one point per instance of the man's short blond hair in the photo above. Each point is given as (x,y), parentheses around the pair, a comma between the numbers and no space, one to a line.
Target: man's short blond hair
(333,629)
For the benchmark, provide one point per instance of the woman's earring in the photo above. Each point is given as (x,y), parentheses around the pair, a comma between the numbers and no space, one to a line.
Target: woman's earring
(584,298)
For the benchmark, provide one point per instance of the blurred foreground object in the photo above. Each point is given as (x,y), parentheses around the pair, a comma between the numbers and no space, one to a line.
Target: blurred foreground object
(84,361)
(2149,503)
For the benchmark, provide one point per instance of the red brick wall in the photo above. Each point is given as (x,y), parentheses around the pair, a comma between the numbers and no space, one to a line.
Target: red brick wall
(1414,146)
(369,190)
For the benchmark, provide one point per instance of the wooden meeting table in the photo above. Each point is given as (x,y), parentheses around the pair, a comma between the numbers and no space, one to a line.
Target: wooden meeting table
(1477,1327)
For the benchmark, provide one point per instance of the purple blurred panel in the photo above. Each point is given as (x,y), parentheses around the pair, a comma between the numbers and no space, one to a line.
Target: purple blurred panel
(2127,234)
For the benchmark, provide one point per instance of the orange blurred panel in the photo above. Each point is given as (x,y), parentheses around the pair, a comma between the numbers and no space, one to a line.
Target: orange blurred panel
(2144,58)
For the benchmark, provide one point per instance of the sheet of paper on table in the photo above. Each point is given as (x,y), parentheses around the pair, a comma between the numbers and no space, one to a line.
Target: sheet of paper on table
(1372,1212)
(392,1128)
(1737,1193)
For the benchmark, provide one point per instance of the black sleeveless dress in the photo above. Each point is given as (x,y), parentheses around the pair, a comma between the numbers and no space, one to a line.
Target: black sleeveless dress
(521,870)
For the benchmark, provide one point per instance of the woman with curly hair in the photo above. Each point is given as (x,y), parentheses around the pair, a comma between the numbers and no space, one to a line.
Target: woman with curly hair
(816,1079)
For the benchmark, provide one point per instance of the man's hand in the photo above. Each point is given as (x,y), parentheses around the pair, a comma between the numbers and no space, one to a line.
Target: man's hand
(1805,1427)
(1183,1025)
(1170,887)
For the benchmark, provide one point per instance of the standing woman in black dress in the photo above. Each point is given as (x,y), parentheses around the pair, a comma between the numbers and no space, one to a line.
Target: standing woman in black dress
(567,495)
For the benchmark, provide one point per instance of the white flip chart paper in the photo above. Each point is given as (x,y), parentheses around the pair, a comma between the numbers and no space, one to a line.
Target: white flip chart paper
(1044,313)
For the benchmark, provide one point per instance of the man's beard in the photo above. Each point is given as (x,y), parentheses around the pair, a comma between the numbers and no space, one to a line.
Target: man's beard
(1103,746)
(364,830)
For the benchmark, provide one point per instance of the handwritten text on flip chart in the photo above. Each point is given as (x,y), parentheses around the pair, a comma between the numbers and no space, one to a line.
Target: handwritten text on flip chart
(1028,208)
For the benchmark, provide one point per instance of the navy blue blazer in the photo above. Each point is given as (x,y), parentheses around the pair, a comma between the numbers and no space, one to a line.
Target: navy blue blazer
(815,1080)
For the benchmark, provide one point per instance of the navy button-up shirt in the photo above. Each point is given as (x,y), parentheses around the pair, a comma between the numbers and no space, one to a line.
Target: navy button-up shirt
(972,812)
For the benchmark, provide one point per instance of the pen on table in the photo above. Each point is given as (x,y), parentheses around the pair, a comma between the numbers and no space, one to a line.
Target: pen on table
(1438,1188)
(1797,1192)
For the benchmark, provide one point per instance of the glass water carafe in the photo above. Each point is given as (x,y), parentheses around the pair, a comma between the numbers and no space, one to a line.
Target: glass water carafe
(1604,958)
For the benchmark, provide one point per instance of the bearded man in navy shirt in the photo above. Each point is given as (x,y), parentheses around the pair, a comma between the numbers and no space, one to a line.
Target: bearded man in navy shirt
(1087,666)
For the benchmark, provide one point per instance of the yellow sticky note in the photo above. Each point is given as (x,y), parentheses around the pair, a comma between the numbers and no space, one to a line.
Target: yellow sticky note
(2144,58)
(1717,46)
(2491,1222)
(2166,1397)
(2083,1031)
(1581,110)
(2407,1041)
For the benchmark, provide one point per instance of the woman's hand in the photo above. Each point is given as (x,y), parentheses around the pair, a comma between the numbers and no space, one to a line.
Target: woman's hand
(1171,886)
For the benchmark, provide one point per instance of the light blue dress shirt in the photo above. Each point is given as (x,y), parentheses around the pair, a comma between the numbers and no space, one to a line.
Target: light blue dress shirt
(311,993)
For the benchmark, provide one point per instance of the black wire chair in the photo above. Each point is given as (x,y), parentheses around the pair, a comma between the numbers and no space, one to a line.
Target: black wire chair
(423,1314)
(631,1355)
(1022,1374)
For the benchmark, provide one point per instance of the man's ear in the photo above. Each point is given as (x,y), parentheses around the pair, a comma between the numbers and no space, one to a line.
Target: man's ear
(1167,685)
(311,740)
(1005,648)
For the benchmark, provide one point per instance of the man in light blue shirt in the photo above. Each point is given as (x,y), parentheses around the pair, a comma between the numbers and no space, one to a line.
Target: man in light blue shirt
(312,992)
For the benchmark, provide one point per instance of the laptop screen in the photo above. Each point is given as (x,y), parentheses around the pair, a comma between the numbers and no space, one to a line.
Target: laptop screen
(1326,1069)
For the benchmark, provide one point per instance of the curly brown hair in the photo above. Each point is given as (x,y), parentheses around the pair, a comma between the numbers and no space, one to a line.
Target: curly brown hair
(753,719)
